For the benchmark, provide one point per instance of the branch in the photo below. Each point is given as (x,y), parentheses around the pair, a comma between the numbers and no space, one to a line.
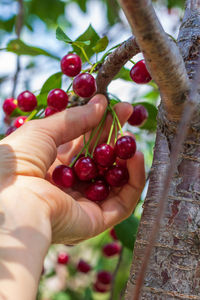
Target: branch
(161,53)
(188,112)
(115,61)
(192,4)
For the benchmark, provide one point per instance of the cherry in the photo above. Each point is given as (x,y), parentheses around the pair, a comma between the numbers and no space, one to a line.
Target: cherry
(84,85)
(100,288)
(104,277)
(125,147)
(104,155)
(111,249)
(9,105)
(83,266)
(97,191)
(117,176)
(62,258)
(57,99)
(19,121)
(139,116)
(63,176)
(27,101)
(113,234)
(85,168)
(71,64)
(101,171)
(139,73)
(50,111)
(10,130)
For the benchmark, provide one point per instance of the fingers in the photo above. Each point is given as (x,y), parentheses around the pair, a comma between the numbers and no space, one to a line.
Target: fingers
(122,204)
(71,123)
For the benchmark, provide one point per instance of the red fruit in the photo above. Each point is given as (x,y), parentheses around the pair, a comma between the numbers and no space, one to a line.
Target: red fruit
(117,176)
(71,64)
(101,171)
(104,155)
(85,168)
(9,105)
(10,130)
(63,258)
(83,266)
(50,111)
(63,176)
(19,121)
(97,191)
(57,99)
(113,234)
(84,85)
(104,277)
(100,288)
(111,249)
(139,116)
(125,147)
(139,73)
(27,101)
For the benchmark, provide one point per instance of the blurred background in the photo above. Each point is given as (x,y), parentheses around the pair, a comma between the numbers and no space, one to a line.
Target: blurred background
(34,22)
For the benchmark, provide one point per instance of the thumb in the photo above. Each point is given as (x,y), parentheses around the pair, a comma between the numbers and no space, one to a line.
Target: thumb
(70,124)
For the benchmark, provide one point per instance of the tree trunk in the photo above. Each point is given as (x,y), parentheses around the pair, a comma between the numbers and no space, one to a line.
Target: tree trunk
(174,268)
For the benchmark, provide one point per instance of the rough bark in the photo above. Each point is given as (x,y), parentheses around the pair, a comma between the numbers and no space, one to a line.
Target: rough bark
(174,268)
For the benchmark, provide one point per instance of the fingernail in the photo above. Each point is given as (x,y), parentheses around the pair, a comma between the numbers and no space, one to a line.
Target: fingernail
(94,100)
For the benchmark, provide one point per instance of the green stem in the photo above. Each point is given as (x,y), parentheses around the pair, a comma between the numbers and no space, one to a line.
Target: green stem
(117,119)
(30,117)
(94,66)
(132,61)
(99,134)
(116,132)
(85,55)
(111,130)
(69,87)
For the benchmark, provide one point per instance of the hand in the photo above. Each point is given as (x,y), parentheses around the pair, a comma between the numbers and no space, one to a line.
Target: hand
(28,155)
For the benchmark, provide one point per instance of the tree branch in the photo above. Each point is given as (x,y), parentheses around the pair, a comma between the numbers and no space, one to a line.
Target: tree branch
(161,53)
(192,4)
(115,61)
(188,112)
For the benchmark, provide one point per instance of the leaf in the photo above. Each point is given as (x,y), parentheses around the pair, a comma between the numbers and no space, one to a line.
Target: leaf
(124,74)
(18,112)
(151,122)
(61,296)
(126,231)
(89,35)
(101,45)
(20,48)
(61,36)
(53,82)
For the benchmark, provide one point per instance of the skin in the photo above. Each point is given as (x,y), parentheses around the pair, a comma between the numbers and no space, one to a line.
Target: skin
(35,213)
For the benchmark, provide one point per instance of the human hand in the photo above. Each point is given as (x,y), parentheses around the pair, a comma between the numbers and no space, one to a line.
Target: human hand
(26,161)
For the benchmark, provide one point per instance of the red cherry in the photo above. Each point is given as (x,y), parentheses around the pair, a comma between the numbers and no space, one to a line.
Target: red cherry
(50,111)
(83,266)
(62,258)
(63,176)
(19,121)
(9,105)
(111,249)
(10,130)
(139,73)
(113,234)
(100,288)
(85,168)
(71,64)
(117,176)
(101,171)
(57,99)
(97,191)
(139,116)
(27,101)
(104,155)
(104,277)
(125,147)
(84,85)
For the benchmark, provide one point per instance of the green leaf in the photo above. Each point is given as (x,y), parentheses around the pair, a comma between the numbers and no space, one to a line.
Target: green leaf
(89,35)
(124,74)
(53,82)
(18,112)
(61,36)
(61,296)
(20,48)
(101,45)
(151,122)
(81,44)
(126,231)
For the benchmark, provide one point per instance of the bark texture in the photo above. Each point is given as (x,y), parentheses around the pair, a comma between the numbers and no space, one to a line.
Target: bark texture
(174,268)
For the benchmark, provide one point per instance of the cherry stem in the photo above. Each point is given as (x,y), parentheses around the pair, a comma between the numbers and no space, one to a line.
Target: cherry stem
(93,67)
(111,130)
(117,119)
(116,132)
(30,117)
(100,132)
(132,61)
(69,87)
(85,55)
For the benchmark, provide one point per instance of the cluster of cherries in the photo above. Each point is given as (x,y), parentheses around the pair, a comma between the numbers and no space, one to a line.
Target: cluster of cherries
(103,278)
